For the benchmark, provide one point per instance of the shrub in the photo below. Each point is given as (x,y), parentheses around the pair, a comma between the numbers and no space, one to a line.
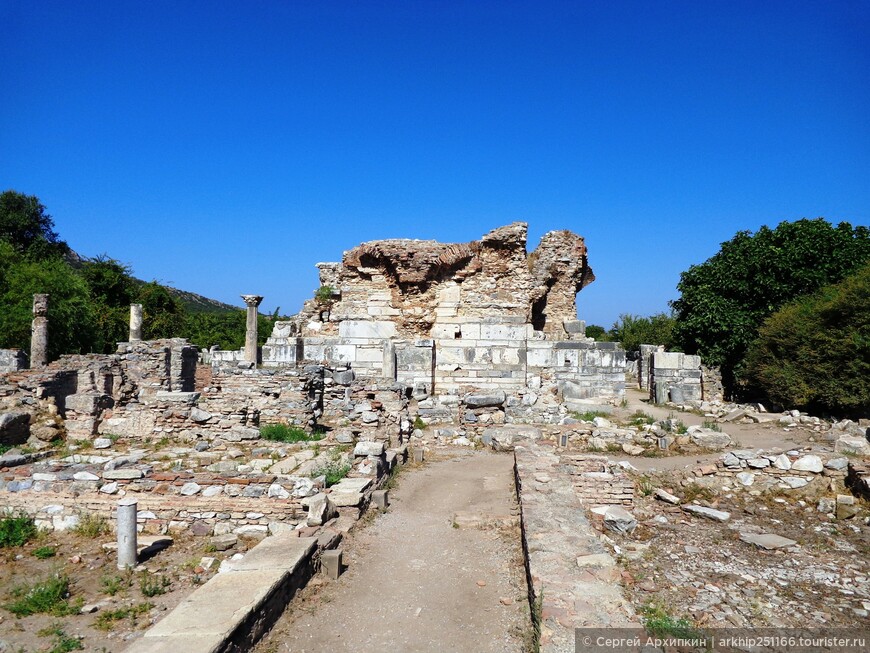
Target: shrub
(724,300)
(16,529)
(153,584)
(589,415)
(114,584)
(91,525)
(659,623)
(815,352)
(285,433)
(45,552)
(324,294)
(334,470)
(49,596)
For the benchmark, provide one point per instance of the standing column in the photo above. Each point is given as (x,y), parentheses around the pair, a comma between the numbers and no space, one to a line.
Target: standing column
(39,332)
(135,322)
(252,301)
(127,537)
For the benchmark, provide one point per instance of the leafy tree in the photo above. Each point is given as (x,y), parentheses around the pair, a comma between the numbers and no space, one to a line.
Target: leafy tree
(27,227)
(634,330)
(815,352)
(112,290)
(72,326)
(596,331)
(162,313)
(724,300)
(226,330)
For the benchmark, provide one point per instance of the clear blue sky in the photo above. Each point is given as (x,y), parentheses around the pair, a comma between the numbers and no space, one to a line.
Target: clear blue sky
(226,147)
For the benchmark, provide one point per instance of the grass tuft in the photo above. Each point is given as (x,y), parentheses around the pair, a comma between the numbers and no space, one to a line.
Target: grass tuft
(16,529)
(91,525)
(285,433)
(50,596)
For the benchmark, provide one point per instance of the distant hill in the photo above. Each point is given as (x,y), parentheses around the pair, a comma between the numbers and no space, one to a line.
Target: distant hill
(194,303)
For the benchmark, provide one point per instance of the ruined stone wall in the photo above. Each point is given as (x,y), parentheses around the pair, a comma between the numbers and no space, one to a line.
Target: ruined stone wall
(675,377)
(417,286)
(12,360)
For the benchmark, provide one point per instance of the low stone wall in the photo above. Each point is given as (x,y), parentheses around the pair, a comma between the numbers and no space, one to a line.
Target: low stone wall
(598,481)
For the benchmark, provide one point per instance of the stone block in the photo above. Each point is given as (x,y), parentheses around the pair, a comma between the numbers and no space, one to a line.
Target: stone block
(381,499)
(14,428)
(330,563)
(367,329)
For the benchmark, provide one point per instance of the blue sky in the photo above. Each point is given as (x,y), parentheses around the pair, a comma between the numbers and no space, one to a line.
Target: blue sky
(226,147)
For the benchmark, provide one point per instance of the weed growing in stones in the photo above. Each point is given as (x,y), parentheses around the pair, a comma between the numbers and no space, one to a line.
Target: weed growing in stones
(697,492)
(640,418)
(645,486)
(45,552)
(285,433)
(106,620)
(16,529)
(419,423)
(114,584)
(153,584)
(50,596)
(711,426)
(660,623)
(91,525)
(588,416)
(63,643)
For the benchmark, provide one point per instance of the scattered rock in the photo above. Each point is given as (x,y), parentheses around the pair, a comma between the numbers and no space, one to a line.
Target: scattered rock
(808,463)
(767,541)
(619,520)
(709,513)
(320,510)
(667,497)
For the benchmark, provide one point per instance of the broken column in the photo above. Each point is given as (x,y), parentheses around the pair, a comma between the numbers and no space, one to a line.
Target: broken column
(127,544)
(135,322)
(39,332)
(252,302)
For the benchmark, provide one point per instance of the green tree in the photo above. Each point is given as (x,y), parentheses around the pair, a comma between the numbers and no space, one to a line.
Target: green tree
(815,353)
(724,300)
(162,313)
(596,331)
(27,227)
(112,290)
(72,326)
(226,330)
(634,330)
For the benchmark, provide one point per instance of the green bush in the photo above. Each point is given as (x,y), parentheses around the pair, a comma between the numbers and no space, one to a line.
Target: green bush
(45,552)
(49,596)
(815,352)
(659,623)
(285,433)
(632,331)
(333,470)
(153,584)
(724,300)
(16,530)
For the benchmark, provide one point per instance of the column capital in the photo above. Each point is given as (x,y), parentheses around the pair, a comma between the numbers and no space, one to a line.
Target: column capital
(252,300)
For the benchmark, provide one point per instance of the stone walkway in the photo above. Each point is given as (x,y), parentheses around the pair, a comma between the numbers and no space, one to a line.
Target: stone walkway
(432,574)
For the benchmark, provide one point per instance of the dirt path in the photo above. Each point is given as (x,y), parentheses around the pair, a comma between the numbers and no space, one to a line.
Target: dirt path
(420,578)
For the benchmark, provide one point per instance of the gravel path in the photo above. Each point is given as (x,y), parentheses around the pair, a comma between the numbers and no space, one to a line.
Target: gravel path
(421,578)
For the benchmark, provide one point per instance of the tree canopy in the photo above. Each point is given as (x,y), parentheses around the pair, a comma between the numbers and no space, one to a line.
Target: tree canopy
(89,305)
(724,300)
(26,226)
(815,352)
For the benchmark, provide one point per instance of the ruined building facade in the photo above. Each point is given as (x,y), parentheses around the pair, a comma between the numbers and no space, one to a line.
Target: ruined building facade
(446,318)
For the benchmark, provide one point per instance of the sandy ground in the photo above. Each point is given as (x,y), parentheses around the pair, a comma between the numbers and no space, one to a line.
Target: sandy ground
(420,577)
